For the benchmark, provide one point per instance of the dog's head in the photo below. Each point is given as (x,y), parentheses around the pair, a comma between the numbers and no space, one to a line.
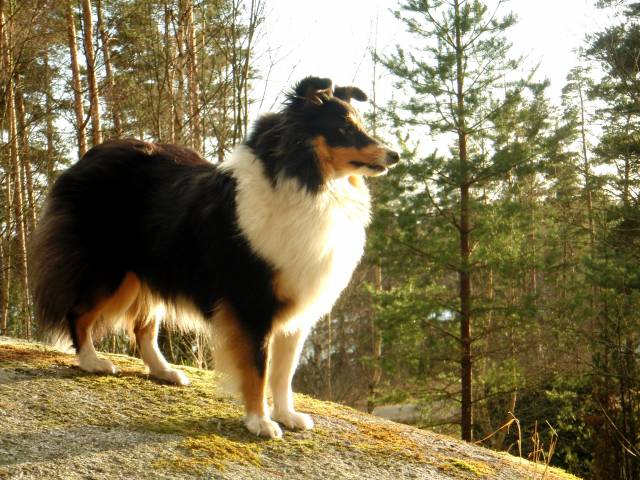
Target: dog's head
(335,131)
(318,137)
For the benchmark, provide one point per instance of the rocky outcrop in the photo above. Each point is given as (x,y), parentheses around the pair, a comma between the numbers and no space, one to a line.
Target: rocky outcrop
(59,422)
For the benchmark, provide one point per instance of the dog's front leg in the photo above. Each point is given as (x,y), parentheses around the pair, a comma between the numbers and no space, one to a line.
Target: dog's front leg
(253,380)
(242,354)
(285,352)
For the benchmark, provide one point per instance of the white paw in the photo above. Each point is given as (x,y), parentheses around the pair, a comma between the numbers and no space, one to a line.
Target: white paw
(97,365)
(263,426)
(293,420)
(176,377)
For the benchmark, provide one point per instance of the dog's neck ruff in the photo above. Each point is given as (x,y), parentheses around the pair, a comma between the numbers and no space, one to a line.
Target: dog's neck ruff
(313,241)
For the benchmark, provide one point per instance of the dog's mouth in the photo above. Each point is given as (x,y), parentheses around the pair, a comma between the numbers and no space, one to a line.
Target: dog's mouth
(374,167)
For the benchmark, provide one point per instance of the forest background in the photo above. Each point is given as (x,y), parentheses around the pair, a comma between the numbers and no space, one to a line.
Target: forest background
(501,283)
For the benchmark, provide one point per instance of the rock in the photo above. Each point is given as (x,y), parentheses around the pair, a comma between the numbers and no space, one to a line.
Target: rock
(60,422)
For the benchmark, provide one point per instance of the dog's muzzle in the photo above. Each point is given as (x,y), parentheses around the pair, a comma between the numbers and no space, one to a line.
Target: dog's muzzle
(391,158)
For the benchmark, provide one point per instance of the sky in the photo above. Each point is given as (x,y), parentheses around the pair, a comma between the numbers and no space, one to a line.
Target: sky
(332,38)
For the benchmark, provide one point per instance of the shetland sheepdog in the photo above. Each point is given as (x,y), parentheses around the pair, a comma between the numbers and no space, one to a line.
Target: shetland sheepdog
(254,249)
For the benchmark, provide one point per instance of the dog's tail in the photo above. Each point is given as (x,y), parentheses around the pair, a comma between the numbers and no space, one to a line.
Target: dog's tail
(57,265)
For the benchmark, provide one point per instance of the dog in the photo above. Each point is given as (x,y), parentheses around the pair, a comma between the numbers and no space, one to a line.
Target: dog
(254,249)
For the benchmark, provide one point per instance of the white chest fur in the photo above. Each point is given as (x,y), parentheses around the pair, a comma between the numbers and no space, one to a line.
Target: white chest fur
(314,242)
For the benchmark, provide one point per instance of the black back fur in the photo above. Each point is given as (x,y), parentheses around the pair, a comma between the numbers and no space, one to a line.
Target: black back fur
(157,212)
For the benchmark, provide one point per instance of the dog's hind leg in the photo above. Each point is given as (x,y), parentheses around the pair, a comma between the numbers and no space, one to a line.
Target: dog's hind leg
(147,339)
(284,355)
(105,310)
(88,360)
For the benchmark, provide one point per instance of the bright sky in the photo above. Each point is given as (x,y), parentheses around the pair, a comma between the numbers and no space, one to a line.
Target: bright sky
(331,39)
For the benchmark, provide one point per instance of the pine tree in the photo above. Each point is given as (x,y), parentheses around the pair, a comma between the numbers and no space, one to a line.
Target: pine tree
(453,79)
(614,268)
(75,79)
(92,80)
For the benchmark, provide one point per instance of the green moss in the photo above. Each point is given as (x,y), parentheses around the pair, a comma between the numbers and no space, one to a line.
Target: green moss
(379,441)
(561,474)
(198,428)
(538,468)
(207,424)
(202,453)
(216,447)
(475,467)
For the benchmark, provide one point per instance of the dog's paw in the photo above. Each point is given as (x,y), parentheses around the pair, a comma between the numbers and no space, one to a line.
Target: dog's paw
(97,365)
(176,377)
(263,426)
(294,420)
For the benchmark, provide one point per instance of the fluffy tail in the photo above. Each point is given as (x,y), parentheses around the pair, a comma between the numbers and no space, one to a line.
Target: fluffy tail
(57,264)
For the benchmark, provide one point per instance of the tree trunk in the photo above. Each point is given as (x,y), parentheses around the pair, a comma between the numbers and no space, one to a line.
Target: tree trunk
(221,129)
(94,96)
(5,241)
(234,71)
(376,345)
(329,356)
(464,274)
(587,168)
(192,75)
(49,130)
(179,67)
(203,103)
(26,173)
(106,53)
(376,337)
(533,274)
(626,191)
(5,279)
(254,20)
(76,83)
(240,61)
(15,172)
(465,316)
(169,61)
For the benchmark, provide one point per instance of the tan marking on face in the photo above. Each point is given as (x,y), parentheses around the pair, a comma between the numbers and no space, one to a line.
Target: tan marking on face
(323,154)
(356,181)
(239,352)
(336,161)
(109,307)
(343,156)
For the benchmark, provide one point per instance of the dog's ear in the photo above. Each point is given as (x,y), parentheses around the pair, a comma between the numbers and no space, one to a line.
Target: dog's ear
(347,93)
(314,90)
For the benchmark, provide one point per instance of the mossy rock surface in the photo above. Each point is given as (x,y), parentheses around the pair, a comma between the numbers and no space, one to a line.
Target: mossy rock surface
(59,422)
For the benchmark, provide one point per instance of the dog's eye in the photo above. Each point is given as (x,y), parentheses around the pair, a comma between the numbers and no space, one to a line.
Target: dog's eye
(346,130)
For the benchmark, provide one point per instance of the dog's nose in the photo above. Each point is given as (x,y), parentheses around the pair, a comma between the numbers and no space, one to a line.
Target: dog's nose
(392,157)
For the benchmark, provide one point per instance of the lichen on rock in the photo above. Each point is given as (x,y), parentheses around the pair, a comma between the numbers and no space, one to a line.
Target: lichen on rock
(59,422)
